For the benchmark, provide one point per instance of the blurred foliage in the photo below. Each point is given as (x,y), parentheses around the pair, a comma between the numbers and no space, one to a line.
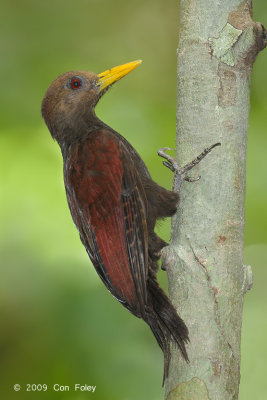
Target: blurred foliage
(58,323)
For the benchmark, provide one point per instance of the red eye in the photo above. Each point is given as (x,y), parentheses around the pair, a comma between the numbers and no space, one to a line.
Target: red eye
(75,83)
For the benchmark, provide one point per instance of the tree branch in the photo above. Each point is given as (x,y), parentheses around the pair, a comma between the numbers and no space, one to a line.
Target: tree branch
(218,45)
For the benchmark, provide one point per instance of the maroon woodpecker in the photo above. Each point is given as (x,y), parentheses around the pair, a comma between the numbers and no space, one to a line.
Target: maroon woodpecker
(113,201)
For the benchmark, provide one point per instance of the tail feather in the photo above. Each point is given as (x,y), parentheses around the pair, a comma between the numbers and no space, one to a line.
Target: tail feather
(165,323)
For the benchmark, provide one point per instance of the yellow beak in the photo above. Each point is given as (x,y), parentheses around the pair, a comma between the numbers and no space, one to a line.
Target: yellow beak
(112,75)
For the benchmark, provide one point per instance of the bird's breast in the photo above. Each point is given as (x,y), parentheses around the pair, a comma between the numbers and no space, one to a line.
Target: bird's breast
(94,172)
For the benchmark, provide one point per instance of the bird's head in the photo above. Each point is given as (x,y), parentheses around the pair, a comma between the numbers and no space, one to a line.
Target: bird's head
(69,102)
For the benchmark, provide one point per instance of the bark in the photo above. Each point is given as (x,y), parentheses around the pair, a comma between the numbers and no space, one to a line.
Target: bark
(218,45)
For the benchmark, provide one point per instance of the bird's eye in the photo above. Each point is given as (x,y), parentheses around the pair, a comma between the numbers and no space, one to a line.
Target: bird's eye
(75,83)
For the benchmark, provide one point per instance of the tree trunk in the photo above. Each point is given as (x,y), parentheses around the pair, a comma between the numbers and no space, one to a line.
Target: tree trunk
(207,279)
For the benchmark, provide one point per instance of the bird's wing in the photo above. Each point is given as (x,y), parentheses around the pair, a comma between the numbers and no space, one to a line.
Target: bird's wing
(107,203)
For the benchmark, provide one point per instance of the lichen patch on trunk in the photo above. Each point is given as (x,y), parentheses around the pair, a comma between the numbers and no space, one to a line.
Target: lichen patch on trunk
(222,45)
(195,389)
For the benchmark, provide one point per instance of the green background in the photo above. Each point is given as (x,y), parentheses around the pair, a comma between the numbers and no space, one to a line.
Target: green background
(58,323)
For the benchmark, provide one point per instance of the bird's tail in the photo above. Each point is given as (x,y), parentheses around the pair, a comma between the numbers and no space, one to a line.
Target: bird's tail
(165,323)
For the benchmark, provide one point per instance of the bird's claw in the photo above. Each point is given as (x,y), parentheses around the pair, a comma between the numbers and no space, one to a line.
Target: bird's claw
(169,165)
(176,169)
(180,173)
(170,159)
(191,179)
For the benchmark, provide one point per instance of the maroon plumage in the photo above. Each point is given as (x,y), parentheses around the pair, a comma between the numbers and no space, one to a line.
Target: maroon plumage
(113,201)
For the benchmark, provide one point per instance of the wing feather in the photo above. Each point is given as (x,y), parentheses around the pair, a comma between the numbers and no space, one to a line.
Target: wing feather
(107,203)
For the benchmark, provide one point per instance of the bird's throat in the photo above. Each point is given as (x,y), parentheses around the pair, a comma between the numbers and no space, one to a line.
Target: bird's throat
(76,131)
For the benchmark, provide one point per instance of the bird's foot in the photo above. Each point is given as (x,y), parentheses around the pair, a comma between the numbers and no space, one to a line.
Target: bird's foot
(163,267)
(180,173)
